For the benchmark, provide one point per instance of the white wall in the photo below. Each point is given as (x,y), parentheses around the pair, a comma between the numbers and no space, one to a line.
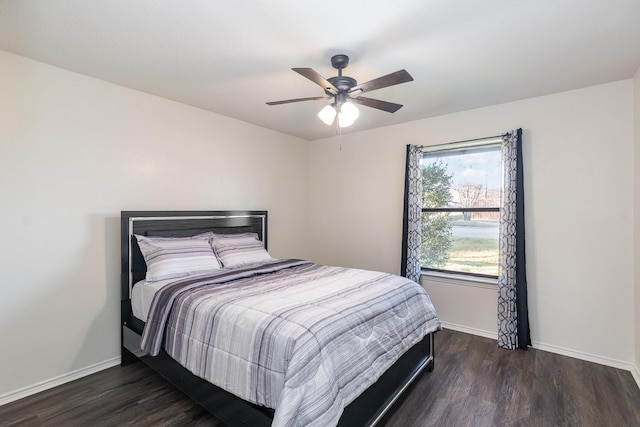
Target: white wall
(578,169)
(74,152)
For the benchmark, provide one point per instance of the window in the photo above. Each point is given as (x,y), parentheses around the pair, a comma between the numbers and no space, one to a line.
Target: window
(461,194)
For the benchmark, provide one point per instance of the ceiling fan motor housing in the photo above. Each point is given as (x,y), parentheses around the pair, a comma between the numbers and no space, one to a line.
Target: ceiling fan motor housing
(342,83)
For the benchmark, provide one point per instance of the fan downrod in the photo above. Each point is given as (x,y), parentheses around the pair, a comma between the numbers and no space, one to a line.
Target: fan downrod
(342,83)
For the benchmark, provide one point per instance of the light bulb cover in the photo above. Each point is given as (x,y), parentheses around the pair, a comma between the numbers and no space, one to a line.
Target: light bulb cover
(327,114)
(350,111)
(344,121)
(348,114)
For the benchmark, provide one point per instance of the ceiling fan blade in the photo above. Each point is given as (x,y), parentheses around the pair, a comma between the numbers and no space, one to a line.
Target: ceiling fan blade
(317,79)
(396,78)
(287,101)
(389,107)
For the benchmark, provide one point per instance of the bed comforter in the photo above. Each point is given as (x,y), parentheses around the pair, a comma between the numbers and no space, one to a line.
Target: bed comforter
(302,338)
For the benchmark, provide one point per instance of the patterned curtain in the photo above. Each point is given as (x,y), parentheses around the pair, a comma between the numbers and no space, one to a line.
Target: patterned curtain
(412,220)
(513,314)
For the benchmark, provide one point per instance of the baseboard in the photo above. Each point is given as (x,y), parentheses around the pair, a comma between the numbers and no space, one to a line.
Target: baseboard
(636,374)
(54,382)
(468,330)
(584,356)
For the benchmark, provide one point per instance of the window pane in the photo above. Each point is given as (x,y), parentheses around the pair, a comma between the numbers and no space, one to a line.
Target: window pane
(451,242)
(462,178)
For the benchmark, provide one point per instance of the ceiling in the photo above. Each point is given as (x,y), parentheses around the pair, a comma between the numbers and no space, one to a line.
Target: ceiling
(231,57)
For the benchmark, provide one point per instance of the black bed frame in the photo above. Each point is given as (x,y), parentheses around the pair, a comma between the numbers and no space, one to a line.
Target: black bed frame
(367,410)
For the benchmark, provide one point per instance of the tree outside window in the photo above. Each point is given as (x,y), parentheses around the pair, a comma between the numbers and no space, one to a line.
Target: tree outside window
(436,226)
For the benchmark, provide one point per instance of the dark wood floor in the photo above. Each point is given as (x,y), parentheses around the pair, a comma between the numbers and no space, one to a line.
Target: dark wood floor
(473,384)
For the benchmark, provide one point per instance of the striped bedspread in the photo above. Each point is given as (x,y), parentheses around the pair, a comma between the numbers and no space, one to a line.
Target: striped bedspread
(302,338)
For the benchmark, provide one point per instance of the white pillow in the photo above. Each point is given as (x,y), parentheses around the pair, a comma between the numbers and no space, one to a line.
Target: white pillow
(236,250)
(173,257)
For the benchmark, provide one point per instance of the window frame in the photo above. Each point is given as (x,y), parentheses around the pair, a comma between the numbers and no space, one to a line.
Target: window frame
(452,148)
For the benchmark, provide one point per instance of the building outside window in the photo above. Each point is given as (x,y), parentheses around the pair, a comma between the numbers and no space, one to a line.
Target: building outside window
(462,186)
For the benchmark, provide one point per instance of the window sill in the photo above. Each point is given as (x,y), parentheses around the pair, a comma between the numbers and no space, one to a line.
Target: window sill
(460,279)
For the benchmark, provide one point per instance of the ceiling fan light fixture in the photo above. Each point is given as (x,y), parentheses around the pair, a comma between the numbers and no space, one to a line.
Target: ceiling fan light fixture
(327,114)
(348,114)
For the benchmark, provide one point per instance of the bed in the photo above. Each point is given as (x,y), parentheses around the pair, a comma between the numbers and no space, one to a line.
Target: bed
(367,409)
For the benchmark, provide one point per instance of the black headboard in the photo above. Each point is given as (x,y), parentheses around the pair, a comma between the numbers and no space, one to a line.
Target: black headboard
(177,224)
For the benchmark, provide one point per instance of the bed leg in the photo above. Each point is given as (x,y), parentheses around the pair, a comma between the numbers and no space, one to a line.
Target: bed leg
(126,357)
(431,364)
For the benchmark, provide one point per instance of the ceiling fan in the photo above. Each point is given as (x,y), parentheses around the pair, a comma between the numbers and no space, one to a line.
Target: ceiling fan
(345,91)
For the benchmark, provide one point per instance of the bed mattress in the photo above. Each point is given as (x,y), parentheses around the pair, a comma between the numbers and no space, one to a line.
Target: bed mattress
(142,295)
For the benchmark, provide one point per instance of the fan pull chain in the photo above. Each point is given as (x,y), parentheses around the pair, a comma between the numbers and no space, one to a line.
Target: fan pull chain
(339,133)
